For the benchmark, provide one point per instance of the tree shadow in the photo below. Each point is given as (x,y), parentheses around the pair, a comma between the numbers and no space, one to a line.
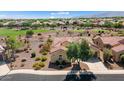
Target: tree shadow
(77,74)
(54,66)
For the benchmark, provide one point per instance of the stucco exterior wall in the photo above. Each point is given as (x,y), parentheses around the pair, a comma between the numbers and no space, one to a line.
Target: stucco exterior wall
(116,55)
(99,43)
(55,55)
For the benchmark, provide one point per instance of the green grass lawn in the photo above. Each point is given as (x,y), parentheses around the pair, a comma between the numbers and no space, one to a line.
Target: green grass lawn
(14,33)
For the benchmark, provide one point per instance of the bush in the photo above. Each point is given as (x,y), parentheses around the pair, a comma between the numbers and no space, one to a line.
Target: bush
(40,45)
(43,58)
(22,65)
(33,55)
(39,34)
(122,58)
(38,65)
(57,62)
(41,64)
(107,53)
(63,62)
(29,33)
(27,51)
(23,60)
(37,58)
(44,53)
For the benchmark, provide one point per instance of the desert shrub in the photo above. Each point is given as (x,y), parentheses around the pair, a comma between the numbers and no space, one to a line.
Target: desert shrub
(23,60)
(46,47)
(19,50)
(27,51)
(40,45)
(49,40)
(44,53)
(41,64)
(22,65)
(38,65)
(41,50)
(39,34)
(43,58)
(37,58)
(33,54)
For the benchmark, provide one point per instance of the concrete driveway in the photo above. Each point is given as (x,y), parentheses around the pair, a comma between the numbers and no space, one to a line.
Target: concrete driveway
(3,70)
(95,65)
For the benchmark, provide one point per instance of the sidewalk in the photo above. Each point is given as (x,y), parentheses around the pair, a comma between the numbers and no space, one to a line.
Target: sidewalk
(29,71)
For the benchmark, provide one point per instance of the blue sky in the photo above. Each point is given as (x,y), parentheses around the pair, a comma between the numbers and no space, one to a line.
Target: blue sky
(44,14)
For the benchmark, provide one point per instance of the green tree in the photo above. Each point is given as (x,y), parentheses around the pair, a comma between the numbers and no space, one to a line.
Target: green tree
(26,24)
(11,47)
(118,25)
(79,51)
(108,24)
(29,33)
(107,54)
(122,58)
(85,51)
(73,52)
(88,24)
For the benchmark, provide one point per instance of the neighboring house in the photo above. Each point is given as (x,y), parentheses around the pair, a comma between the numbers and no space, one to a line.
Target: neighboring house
(116,44)
(117,52)
(2,53)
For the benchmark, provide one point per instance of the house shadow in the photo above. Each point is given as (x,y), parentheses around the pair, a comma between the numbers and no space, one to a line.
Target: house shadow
(77,74)
(54,66)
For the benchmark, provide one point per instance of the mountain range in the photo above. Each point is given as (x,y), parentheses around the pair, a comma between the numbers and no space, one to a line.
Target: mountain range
(106,14)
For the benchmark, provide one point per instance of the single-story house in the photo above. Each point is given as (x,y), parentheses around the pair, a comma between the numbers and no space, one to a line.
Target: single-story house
(59,49)
(117,52)
(116,44)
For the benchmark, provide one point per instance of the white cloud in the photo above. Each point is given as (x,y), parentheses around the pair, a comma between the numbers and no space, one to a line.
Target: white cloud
(60,13)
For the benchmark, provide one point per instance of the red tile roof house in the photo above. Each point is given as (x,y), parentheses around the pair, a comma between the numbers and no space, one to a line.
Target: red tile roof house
(116,44)
(59,49)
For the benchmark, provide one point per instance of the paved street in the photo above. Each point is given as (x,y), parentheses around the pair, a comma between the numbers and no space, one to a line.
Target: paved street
(31,75)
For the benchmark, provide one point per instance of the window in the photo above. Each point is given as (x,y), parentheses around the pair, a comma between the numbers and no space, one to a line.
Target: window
(60,57)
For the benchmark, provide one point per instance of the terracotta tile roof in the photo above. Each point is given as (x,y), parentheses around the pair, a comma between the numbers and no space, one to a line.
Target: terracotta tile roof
(118,48)
(57,49)
(58,41)
(111,40)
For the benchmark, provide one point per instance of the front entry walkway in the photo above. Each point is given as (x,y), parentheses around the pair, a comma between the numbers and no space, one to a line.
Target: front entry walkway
(95,65)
